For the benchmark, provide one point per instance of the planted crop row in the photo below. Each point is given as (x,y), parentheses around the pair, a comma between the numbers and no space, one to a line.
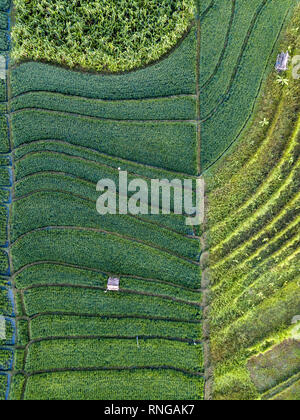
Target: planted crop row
(6,358)
(213,37)
(3,385)
(4,264)
(132,385)
(51,181)
(61,354)
(95,302)
(85,176)
(254,239)
(53,209)
(106,252)
(225,292)
(262,288)
(180,108)
(257,252)
(227,52)
(3,225)
(266,169)
(275,191)
(270,316)
(4,141)
(157,144)
(260,220)
(3,21)
(227,122)
(44,274)
(175,75)
(62,326)
(93,155)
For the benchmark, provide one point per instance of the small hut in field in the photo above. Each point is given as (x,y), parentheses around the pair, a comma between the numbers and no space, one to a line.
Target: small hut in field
(113,284)
(282,61)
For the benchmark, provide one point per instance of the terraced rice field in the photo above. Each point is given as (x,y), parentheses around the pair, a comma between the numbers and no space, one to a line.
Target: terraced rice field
(197,111)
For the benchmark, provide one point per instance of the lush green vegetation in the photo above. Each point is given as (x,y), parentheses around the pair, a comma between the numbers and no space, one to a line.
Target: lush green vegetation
(175,75)
(157,144)
(254,246)
(6,295)
(108,353)
(180,108)
(226,106)
(113,385)
(105,35)
(68,129)
(72,326)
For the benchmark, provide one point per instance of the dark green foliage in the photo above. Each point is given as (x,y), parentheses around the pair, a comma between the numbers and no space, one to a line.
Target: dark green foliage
(176,75)
(61,354)
(4,42)
(62,326)
(5,4)
(180,108)
(235,108)
(96,302)
(4,141)
(53,209)
(122,385)
(157,144)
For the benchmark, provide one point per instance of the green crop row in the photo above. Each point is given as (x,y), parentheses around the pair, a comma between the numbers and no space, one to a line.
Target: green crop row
(3,223)
(58,182)
(3,386)
(115,385)
(4,42)
(97,302)
(61,209)
(276,190)
(4,142)
(4,195)
(236,265)
(259,220)
(157,144)
(5,304)
(78,353)
(175,75)
(23,332)
(225,292)
(213,38)
(216,86)
(92,155)
(3,21)
(4,265)
(180,108)
(43,274)
(106,252)
(5,359)
(270,316)
(72,326)
(264,287)
(4,177)
(85,175)
(227,122)
(262,173)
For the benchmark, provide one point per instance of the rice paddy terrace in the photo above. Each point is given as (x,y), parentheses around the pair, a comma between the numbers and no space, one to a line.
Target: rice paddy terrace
(197,110)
